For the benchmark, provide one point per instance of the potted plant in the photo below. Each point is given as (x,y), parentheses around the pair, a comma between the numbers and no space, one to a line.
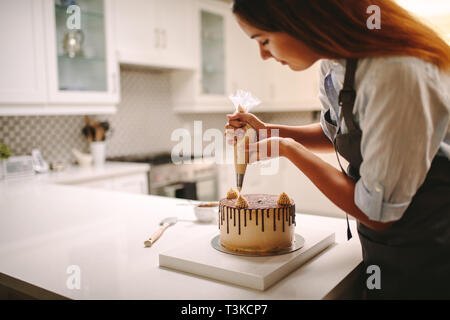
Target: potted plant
(5,153)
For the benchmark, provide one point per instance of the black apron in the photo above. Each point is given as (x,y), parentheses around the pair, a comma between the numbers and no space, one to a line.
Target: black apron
(414,253)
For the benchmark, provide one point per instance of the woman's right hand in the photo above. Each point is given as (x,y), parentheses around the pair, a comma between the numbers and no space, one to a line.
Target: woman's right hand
(239,120)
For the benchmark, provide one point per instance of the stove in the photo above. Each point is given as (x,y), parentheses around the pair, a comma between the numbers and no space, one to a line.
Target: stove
(195,181)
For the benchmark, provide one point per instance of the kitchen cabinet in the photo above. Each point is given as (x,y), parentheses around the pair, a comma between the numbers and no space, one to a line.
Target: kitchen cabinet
(23,78)
(277,86)
(41,74)
(228,61)
(205,89)
(155,33)
(135,183)
(88,74)
(286,90)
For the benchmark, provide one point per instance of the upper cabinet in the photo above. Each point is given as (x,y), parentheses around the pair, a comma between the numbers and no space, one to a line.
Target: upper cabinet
(81,58)
(23,77)
(206,88)
(229,60)
(156,33)
(62,57)
(57,59)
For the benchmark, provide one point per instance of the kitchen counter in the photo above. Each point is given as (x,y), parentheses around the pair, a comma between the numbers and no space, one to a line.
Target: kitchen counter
(47,230)
(76,174)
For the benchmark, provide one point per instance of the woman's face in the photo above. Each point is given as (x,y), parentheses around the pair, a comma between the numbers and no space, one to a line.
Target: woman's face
(280,46)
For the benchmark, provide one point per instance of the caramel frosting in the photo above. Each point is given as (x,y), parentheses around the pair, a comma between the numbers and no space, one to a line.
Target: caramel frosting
(284,200)
(232,194)
(241,202)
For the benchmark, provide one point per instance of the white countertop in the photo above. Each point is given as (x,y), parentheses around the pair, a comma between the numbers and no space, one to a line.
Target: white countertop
(47,227)
(76,174)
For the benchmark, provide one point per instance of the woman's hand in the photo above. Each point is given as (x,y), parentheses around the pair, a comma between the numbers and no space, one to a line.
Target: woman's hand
(238,121)
(270,148)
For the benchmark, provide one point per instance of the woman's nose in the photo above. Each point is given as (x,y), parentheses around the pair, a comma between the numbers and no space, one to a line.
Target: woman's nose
(264,53)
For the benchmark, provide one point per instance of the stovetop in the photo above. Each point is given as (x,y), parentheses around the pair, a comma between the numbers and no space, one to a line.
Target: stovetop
(151,158)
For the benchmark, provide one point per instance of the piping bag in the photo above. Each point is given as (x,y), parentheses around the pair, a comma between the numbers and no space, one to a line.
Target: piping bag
(243,101)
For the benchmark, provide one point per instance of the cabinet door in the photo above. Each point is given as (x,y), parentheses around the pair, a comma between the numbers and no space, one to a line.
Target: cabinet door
(213,19)
(22,54)
(308,198)
(137,36)
(82,62)
(175,28)
(291,90)
(136,183)
(245,63)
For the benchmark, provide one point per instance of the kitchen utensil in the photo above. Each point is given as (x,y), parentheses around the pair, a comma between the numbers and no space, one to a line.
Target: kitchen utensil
(158,233)
(88,131)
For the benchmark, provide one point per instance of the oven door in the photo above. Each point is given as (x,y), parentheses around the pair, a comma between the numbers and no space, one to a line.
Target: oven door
(179,190)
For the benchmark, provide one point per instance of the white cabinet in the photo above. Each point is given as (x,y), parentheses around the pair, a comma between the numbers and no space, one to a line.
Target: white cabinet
(308,198)
(40,75)
(155,33)
(287,90)
(206,88)
(89,75)
(136,183)
(228,61)
(23,78)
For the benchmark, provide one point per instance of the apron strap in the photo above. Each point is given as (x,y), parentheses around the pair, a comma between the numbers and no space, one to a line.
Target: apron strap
(349,232)
(347,98)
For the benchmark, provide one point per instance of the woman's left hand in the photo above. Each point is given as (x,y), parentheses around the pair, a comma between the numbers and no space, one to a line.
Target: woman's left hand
(270,148)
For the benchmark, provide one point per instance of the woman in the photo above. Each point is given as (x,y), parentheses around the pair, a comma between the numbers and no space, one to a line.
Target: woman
(386,105)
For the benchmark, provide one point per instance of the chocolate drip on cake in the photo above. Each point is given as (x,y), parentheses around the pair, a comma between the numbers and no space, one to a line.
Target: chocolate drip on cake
(245,218)
(261,206)
(262,220)
(239,217)
(274,222)
(228,222)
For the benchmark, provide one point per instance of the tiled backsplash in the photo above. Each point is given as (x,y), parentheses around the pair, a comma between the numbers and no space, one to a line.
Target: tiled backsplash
(143,123)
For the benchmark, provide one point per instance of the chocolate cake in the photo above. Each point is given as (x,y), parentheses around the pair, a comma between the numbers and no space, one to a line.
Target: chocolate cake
(256,222)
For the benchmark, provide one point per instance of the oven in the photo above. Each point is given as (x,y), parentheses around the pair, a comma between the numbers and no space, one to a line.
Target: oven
(195,181)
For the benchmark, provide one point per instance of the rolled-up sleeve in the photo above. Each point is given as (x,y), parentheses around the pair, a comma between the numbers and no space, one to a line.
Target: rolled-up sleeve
(404,117)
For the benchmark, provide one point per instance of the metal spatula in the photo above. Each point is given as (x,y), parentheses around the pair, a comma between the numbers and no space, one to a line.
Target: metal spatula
(158,233)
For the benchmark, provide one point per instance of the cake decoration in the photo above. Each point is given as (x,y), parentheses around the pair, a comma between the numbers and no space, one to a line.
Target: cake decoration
(232,194)
(241,202)
(284,200)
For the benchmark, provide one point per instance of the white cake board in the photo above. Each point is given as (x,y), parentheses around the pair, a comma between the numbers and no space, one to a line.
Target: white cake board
(200,258)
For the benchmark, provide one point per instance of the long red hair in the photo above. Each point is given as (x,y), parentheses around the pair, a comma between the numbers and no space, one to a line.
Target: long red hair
(337,29)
